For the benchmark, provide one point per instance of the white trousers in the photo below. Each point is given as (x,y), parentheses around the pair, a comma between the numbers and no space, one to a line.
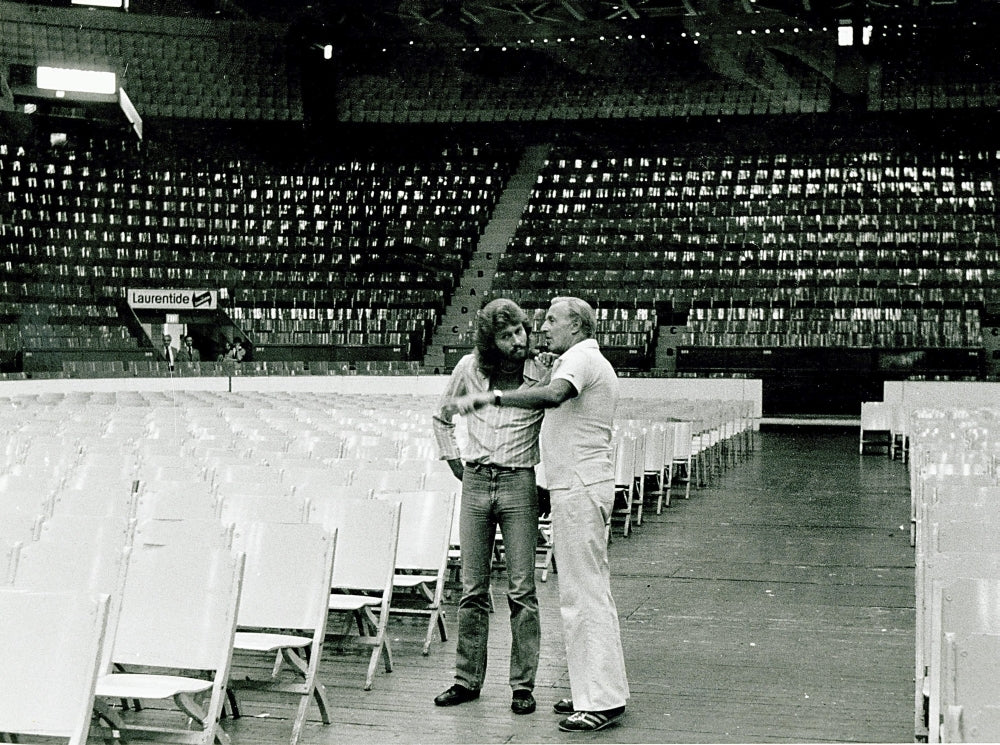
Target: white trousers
(590,619)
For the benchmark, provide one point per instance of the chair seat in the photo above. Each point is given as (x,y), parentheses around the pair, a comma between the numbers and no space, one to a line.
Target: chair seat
(412,580)
(256,641)
(139,685)
(352,602)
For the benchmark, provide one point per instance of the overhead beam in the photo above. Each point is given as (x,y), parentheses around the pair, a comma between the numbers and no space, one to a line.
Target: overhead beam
(573,10)
(627,7)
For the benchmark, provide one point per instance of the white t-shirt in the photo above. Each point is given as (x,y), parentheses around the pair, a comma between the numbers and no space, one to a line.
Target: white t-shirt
(576,436)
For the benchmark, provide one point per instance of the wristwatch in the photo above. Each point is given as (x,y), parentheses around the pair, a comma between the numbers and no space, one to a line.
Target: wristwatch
(497,397)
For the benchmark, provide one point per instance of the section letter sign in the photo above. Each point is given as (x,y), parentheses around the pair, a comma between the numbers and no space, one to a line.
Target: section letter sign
(173,299)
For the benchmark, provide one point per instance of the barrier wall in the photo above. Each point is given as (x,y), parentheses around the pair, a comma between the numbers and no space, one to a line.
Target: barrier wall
(914,394)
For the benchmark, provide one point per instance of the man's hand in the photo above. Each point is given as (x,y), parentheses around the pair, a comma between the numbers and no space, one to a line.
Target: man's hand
(457,467)
(467,404)
(545,359)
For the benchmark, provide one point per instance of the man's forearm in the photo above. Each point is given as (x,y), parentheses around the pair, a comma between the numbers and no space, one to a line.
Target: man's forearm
(529,398)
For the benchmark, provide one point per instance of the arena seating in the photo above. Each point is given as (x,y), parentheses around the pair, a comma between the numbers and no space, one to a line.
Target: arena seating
(517,84)
(186,68)
(871,249)
(377,246)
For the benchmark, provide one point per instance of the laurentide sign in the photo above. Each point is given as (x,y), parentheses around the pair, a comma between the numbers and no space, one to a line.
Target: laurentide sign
(173,299)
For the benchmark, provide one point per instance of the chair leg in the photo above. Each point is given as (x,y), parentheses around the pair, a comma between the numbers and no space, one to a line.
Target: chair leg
(319,694)
(234,706)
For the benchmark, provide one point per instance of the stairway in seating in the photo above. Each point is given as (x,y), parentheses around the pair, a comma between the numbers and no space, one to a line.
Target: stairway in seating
(478,278)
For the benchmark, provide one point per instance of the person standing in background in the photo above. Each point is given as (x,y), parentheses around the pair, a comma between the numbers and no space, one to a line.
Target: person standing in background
(169,353)
(187,352)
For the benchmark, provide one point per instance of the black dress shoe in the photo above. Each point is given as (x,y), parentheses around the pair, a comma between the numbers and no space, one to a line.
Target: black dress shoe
(457,694)
(522,702)
(563,706)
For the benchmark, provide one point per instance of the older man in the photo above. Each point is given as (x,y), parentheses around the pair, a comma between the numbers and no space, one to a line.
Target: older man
(498,488)
(576,450)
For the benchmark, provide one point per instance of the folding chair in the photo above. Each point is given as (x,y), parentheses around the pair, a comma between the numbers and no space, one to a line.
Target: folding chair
(178,612)
(250,479)
(970,689)
(625,454)
(876,427)
(683,454)
(363,569)
(389,481)
(54,642)
(964,607)
(241,509)
(284,608)
(422,554)
(117,500)
(177,500)
(23,493)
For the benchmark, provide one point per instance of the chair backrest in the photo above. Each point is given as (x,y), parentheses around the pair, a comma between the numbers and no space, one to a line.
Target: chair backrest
(367,537)
(320,500)
(53,641)
(654,450)
(391,480)
(22,493)
(876,416)
(241,509)
(440,478)
(425,528)
(177,500)
(289,569)
(316,477)
(625,458)
(249,475)
(179,605)
(213,533)
(96,568)
(117,500)
(87,529)
(682,440)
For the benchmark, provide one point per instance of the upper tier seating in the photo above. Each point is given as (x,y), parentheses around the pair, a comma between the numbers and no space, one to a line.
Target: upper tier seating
(186,68)
(341,252)
(598,79)
(823,249)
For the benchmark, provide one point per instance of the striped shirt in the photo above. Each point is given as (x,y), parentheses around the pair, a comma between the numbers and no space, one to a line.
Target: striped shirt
(499,436)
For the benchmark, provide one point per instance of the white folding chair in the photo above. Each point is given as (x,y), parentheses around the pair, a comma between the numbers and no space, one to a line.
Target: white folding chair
(177,500)
(112,500)
(683,454)
(250,479)
(625,455)
(241,509)
(178,612)
(970,689)
(422,554)
(363,569)
(54,642)
(284,607)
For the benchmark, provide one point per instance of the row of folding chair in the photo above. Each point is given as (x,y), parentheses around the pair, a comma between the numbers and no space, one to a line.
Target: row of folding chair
(656,441)
(182,601)
(956,515)
(371,620)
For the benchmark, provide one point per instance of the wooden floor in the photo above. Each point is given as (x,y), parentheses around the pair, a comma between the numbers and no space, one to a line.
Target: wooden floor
(775,605)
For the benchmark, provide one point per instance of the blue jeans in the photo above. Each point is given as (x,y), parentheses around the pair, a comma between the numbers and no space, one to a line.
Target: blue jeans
(507,498)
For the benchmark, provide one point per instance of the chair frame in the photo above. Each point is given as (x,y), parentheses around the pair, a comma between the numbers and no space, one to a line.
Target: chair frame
(303,555)
(353,578)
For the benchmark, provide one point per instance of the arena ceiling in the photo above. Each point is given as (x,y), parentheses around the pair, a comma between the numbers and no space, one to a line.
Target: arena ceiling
(503,21)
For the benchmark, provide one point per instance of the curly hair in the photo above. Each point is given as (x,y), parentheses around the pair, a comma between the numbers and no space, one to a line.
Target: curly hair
(494,317)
